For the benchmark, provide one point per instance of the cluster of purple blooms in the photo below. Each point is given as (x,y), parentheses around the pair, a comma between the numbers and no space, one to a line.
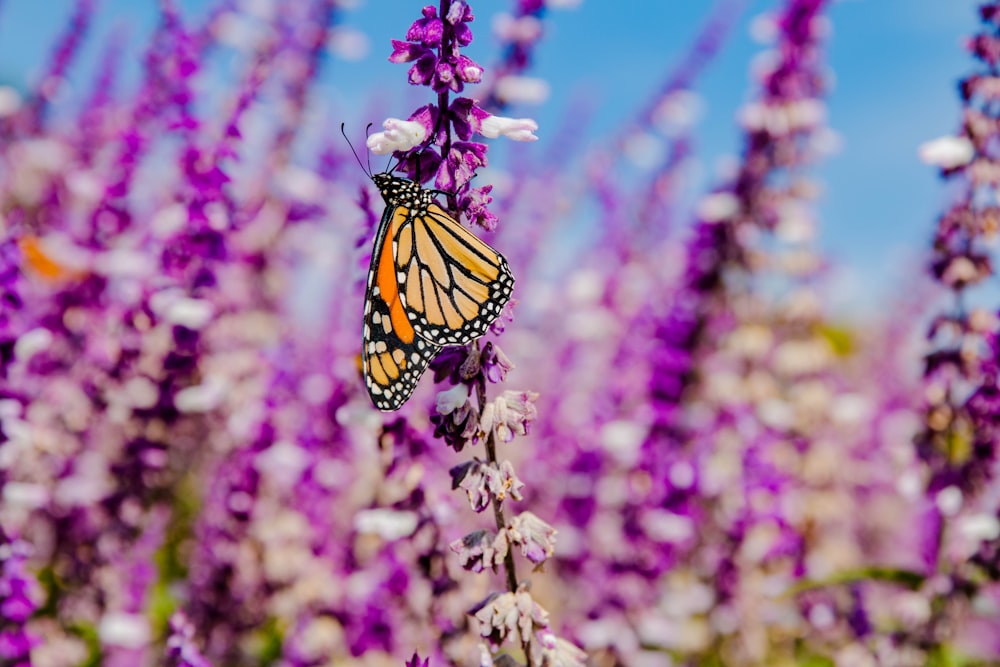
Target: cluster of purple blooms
(702,468)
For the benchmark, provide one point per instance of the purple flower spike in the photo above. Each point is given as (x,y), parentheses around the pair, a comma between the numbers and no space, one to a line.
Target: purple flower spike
(463,415)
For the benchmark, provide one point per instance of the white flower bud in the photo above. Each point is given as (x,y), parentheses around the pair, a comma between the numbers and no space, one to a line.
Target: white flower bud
(947,152)
(518,129)
(399,135)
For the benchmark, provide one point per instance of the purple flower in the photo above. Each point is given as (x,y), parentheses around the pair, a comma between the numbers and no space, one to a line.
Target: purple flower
(460,14)
(20,596)
(535,537)
(182,651)
(465,117)
(460,165)
(500,615)
(415,661)
(467,70)
(404,52)
(495,363)
(510,414)
(475,204)
(481,549)
(427,30)
(455,418)
(444,78)
(484,481)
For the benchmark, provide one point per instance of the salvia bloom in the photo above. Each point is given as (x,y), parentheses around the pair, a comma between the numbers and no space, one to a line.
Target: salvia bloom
(463,416)
(674,455)
(958,440)
(20,597)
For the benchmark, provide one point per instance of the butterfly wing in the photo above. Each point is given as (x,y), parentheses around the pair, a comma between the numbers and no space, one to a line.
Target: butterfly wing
(452,285)
(393,357)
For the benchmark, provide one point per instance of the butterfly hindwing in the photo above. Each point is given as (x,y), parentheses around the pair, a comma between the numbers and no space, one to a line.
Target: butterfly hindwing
(393,356)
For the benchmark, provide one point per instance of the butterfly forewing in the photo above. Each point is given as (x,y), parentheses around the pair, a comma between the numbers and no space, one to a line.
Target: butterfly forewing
(452,284)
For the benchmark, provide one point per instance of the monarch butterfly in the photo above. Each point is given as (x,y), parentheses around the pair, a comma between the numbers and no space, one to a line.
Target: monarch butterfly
(431,283)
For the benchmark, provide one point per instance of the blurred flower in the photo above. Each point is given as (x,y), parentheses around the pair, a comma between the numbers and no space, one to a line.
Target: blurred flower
(947,152)
(181,648)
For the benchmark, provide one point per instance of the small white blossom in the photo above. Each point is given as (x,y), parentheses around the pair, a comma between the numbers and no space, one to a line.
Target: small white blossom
(25,495)
(523,29)
(348,44)
(31,343)
(949,500)
(947,152)
(560,652)
(979,527)
(502,614)
(452,399)
(203,397)
(718,206)
(124,630)
(10,101)
(518,129)
(522,90)
(399,135)
(386,523)
(190,313)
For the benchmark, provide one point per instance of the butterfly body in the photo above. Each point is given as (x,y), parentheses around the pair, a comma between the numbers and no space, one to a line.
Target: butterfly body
(431,283)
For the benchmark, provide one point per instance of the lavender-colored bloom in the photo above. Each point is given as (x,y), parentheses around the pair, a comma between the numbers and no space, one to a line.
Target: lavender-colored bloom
(481,549)
(486,481)
(475,205)
(504,614)
(427,30)
(455,418)
(535,537)
(20,596)
(182,650)
(509,415)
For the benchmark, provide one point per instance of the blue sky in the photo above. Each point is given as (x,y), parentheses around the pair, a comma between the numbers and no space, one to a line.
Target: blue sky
(895,64)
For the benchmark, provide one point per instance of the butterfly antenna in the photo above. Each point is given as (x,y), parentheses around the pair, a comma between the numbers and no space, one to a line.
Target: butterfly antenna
(368,128)
(368,173)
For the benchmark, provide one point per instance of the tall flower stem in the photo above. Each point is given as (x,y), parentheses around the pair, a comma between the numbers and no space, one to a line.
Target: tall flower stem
(426,140)
(510,568)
